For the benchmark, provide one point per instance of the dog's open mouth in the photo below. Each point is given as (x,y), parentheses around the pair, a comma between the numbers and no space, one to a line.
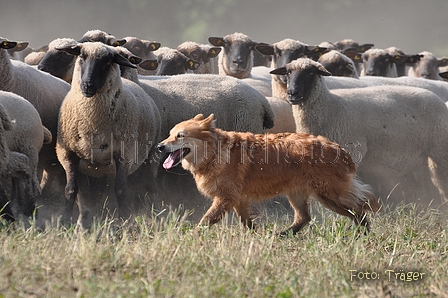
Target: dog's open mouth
(175,158)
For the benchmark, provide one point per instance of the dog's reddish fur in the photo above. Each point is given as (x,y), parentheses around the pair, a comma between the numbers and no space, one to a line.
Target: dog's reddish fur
(236,169)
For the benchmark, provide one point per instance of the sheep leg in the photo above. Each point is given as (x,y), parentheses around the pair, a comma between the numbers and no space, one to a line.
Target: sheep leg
(5,206)
(70,162)
(121,188)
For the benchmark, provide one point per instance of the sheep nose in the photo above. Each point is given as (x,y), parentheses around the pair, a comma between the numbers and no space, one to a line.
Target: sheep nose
(161,147)
(237,61)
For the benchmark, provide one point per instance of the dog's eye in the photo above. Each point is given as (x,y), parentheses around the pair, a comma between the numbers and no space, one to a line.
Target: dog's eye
(180,135)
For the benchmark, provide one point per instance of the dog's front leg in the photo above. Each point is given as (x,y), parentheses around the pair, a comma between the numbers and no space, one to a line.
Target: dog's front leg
(242,210)
(216,212)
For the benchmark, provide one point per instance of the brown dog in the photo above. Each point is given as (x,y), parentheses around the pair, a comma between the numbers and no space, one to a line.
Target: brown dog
(236,169)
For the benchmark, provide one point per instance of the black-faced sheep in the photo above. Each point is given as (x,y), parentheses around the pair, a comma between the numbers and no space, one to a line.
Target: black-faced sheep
(338,64)
(354,46)
(46,93)
(59,63)
(108,126)
(237,57)
(391,131)
(101,36)
(172,62)
(378,62)
(401,64)
(427,66)
(21,136)
(144,49)
(205,54)
(284,52)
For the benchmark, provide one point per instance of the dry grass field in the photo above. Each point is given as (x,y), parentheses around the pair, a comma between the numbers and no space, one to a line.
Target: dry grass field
(159,255)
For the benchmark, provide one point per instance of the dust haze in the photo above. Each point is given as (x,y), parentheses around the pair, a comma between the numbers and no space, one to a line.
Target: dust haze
(413,26)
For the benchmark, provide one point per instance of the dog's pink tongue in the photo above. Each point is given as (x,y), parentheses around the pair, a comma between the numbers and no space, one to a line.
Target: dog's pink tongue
(170,160)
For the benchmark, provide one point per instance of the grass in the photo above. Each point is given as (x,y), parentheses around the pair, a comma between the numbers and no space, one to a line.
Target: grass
(160,256)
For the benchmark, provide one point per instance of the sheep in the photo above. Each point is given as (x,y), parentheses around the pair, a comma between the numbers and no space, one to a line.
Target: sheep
(237,57)
(378,62)
(21,136)
(59,63)
(284,52)
(20,51)
(107,126)
(345,44)
(427,66)
(46,93)
(236,105)
(34,58)
(173,62)
(205,54)
(283,117)
(401,64)
(390,130)
(101,36)
(338,64)
(144,49)
(440,88)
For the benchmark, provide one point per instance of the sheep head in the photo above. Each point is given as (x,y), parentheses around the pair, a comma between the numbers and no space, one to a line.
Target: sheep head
(95,61)
(378,62)
(300,75)
(237,56)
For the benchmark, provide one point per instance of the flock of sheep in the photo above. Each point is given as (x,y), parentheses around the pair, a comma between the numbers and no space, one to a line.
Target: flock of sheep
(81,119)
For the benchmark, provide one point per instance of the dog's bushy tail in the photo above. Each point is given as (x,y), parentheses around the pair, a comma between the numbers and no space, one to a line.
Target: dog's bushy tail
(361,198)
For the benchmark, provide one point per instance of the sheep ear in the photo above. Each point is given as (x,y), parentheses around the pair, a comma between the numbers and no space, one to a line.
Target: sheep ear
(443,61)
(217,41)
(120,60)
(43,49)
(21,45)
(411,59)
(356,57)
(398,58)
(279,71)
(213,52)
(191,64)
(365,47)
(198,117)
(71,49)
(264,49)
(314,52)
(323,71)
(149,64)
(135,59)
(6,44)
(119,43)
(154,46)
(444,75)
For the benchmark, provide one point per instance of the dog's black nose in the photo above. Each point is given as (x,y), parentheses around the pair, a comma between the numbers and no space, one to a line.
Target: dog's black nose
(161,147)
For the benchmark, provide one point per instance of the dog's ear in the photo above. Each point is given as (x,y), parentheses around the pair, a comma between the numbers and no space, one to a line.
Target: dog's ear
(209,122)
(198,117)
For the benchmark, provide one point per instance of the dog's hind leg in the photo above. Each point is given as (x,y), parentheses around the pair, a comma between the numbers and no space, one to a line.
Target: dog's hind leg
(216,212)
(300,204)
(361,220)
